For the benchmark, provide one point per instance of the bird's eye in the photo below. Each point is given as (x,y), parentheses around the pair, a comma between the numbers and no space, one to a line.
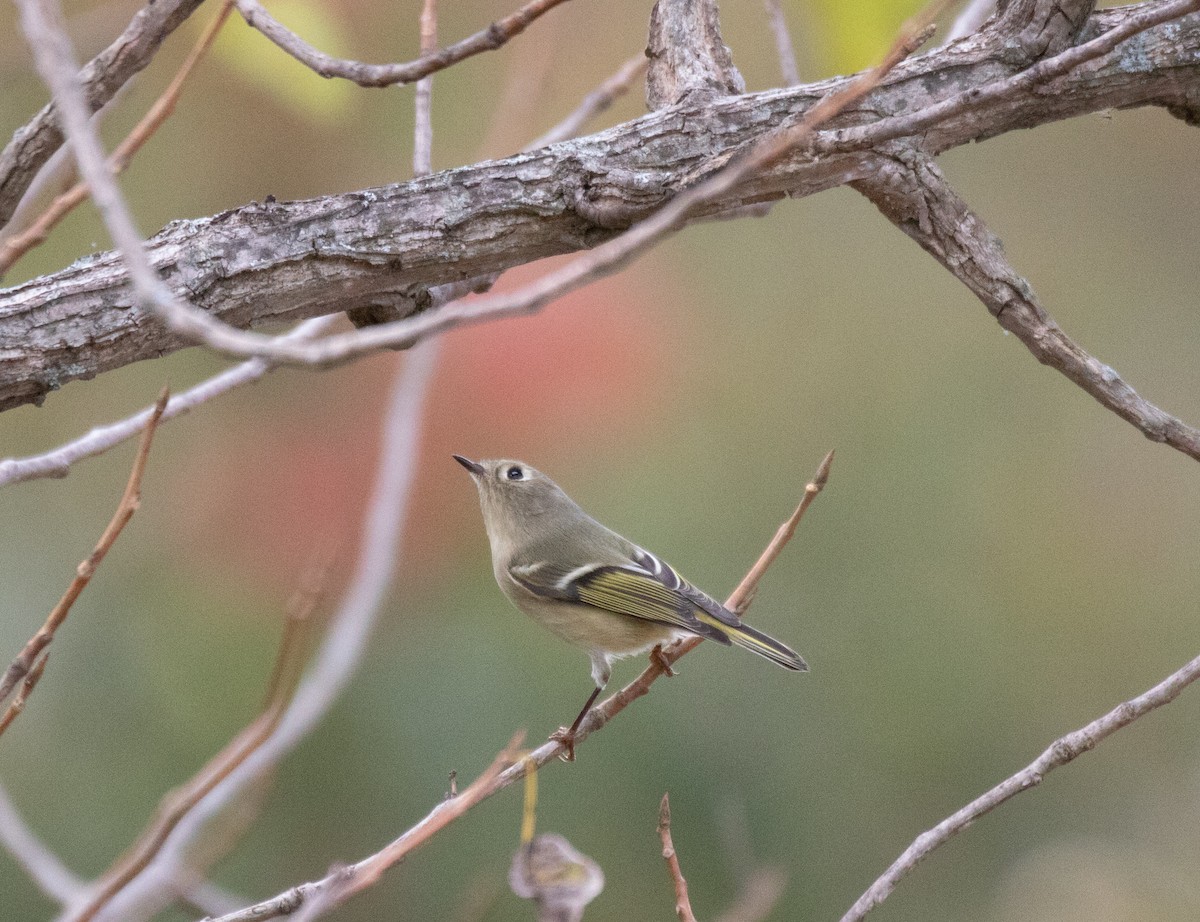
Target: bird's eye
(514,473)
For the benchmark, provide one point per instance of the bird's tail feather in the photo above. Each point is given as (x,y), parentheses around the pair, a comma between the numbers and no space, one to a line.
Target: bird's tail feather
(757,642)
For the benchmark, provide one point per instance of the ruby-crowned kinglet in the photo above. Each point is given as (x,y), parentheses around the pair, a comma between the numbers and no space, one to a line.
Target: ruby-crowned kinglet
(590,586)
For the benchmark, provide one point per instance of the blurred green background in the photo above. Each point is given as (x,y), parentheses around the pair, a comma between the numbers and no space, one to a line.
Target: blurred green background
(997,560)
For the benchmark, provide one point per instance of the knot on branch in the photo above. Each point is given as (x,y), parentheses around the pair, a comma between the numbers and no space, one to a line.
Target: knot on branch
(689,61)
(1035,29)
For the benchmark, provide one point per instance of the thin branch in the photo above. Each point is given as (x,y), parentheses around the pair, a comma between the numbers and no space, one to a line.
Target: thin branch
(58,173)
(101,79)
(593,103)
(16,246)
(683,905)
(338,886)
(17,705)
(374,75)
(345,639)
(63,886)
(1063,750)
(974,15)
(423,123)
(130,499)
(744,594)
(57,463)
(288,901)
(913,193)
(178,803)
(783,42)
(44,868)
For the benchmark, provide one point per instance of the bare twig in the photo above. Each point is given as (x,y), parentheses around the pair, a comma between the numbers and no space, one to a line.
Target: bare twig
(16,246)
(489,39)
(783,42)
(343,883)
(130,500)
(423,124)
(345,637)
(107,73)
(1063,750)
(62,886)
(683,905)
(57,463)
(17,705)
(176,804)
(973,15)
(44,868)
(749,585)
(913,193)
(539,758)
(56,175)
(594,103)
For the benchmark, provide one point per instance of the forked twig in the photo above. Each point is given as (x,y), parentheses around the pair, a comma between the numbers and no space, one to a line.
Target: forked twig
(130,499)
(17,705)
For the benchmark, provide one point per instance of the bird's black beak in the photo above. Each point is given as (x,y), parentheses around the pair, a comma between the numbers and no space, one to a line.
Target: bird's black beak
(473,466)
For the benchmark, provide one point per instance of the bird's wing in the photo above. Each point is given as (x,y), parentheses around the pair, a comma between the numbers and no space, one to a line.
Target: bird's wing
(643,587)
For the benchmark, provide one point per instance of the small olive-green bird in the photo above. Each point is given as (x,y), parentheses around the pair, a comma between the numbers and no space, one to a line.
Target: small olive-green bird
(590,586)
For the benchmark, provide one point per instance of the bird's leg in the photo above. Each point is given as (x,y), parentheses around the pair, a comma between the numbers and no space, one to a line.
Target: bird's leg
(659,658)
(567,736)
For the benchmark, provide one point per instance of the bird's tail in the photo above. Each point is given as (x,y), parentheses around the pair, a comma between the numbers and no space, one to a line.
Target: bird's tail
(757,642)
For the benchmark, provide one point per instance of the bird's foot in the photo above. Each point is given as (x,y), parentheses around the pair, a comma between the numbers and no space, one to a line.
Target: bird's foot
(566,736)
(658,657)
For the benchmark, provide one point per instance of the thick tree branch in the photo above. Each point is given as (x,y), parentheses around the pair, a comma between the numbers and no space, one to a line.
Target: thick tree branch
(914,194)
(33,145)
(1039,28)
(58,461)
(265,263)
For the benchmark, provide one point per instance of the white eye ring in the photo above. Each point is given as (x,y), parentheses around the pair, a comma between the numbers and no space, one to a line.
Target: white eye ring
(514,473)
